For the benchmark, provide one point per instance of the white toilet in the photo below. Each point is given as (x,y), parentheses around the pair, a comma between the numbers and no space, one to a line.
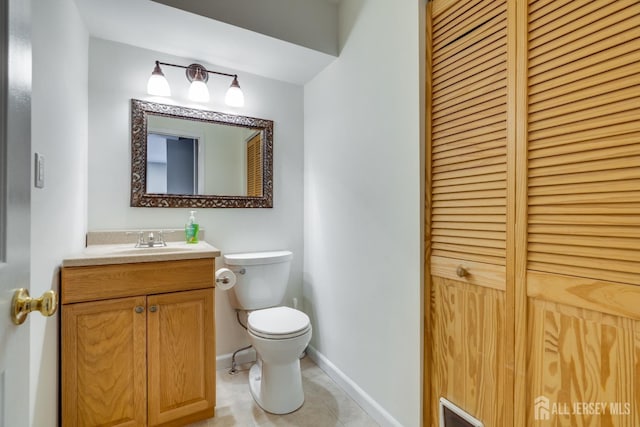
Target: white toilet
(278,334)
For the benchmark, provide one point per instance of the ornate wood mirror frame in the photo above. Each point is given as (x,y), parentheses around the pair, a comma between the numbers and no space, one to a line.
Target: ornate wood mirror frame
(140,110)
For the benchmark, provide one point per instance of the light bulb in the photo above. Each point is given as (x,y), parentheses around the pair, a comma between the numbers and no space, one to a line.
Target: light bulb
(158,84)
(198,91)
(234,96)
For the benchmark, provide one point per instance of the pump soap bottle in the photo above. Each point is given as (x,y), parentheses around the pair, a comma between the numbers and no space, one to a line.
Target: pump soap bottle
(191,229)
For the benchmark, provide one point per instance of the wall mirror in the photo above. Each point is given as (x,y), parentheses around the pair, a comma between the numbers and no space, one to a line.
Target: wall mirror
(186,157)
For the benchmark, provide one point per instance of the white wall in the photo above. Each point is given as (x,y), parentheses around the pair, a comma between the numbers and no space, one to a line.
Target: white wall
(362,272)
(308,23)
(58,211)
(119,72)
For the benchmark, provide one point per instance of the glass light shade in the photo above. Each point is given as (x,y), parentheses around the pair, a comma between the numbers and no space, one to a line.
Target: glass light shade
(234,96)
(158,85)
(198,91)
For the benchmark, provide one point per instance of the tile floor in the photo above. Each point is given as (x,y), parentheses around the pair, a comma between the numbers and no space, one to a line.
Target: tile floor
(326,405)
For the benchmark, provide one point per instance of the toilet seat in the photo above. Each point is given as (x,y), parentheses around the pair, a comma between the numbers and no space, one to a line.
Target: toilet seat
(278,323)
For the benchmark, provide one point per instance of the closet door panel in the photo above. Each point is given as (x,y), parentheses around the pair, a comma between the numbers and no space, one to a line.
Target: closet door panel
(468,148)
(583,214)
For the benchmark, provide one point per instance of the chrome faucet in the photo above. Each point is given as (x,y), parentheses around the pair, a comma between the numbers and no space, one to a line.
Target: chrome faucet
(151,240)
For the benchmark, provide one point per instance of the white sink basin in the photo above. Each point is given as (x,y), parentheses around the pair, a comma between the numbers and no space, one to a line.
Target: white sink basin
(154,250)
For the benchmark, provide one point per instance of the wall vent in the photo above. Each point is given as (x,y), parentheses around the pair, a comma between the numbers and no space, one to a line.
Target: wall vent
(453,416)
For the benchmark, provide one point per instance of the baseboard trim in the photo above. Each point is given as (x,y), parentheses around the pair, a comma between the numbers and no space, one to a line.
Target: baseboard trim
(366,402)
(223,361)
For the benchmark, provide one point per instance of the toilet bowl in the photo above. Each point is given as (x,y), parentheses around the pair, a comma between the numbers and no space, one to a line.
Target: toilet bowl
(279,334)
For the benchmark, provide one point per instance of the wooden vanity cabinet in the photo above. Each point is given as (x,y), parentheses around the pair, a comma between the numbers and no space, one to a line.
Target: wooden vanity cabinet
(143,359)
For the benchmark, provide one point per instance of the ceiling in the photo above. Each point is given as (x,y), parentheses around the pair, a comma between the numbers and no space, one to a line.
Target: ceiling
(151,25)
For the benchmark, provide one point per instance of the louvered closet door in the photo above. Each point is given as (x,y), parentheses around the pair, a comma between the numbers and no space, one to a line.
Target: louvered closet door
(468,202)
(583,237)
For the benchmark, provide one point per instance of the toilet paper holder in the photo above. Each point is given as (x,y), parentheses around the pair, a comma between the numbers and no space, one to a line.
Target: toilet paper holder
(225,279)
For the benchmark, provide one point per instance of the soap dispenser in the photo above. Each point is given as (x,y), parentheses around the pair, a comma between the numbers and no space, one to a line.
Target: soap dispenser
(191,229)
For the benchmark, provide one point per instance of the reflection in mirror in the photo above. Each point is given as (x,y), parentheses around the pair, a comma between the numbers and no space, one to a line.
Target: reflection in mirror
(184,157)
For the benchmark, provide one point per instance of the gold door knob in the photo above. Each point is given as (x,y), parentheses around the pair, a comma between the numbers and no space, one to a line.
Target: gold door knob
(22,304)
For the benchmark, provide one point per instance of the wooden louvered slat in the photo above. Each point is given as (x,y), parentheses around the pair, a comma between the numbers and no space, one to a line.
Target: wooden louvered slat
(592,198)
(587,209)
(536,152)
(565,230)
(561,11)
(626,120)
(480,134)
(475,70)
(467,203)
(578,89)
(594,221)
(468,133)
(579,166)
(444,225)
(595,243)
(475,140)
(467,40)
(476,234)
(488,46)
(469,256)
(583,48)
(489,99)
(614,64)
(583,140)
(467,116)
(471,17)
(460,93)
(603,153)
(540,8)
(591,113)
(622,92)
(479,194)
(468,164)
(629,185)
(475,172)
(570,25)
(455,182)
(480,150)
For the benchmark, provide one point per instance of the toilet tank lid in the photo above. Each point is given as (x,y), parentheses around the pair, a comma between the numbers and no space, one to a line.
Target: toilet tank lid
(258,258)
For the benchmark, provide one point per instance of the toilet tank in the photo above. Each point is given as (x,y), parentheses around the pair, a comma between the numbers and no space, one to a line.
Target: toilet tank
(265,278)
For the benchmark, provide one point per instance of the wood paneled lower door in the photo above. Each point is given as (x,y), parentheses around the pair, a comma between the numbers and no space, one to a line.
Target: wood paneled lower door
(181,346)
(101,390)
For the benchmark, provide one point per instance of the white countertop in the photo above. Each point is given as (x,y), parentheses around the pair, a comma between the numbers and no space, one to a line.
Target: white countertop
(128,253)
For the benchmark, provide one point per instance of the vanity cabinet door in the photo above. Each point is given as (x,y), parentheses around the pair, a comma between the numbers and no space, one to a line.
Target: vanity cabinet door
(181,356)
(104,363)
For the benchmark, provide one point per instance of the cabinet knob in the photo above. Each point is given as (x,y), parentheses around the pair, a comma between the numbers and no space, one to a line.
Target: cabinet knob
(153,308)
(461,271)
(139,309)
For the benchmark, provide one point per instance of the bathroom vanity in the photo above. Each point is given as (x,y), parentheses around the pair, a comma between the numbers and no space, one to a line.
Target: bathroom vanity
(137,335)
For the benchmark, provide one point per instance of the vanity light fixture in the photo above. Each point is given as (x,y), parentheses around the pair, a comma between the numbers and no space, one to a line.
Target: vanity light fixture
(198,91)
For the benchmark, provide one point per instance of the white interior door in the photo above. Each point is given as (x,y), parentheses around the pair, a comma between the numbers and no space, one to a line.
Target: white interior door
(15,186)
